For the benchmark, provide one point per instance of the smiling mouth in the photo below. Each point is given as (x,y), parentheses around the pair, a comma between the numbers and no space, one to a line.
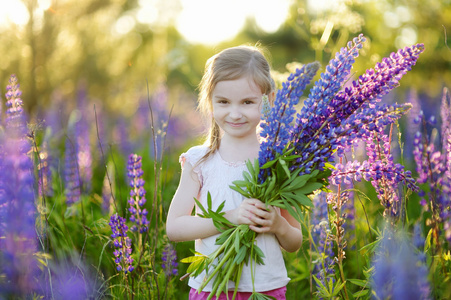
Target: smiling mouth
(235,124)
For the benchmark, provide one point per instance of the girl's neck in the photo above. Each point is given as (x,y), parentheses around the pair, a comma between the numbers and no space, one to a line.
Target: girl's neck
(234,150)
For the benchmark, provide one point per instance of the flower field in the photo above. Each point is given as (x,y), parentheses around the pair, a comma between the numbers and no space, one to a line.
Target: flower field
(84,192)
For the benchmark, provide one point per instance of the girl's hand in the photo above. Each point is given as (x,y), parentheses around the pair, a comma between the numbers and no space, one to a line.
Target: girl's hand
(260,218)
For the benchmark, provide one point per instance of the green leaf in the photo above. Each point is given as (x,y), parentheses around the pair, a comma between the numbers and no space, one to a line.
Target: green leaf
(245,193)
(359,282)
(196,267)
(321,288)
(201,207)
(369,247)
(209,202)
(237,243)
(291,211)
(309,188)
(285,167)
(240,183)
(270,187)
(247,176)
(256,168)
(297,183)
(338,287)
(300,199)
(269,164)
(360,293)
(427,241)
(329,166)
(241,255)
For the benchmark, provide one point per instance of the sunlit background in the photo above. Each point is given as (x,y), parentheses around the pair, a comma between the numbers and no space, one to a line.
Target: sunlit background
(118,47)
(102,79)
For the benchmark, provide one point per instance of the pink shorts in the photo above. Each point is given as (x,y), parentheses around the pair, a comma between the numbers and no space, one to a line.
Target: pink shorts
(279,294)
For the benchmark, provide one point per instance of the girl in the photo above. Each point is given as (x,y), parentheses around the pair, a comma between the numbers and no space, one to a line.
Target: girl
(231,93)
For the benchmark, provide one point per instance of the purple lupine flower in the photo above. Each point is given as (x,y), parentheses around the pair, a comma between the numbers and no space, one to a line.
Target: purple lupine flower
(276,125)
(332,120)
(123,244)
(82,139)
(397,273)
(432,168)
(121,136)
(15,121)
(71,173)
(17,202)
(317,108)
(348,209)
(324,266)
(137,194)
(17,228)
(45,175)
(418,242)
(71,279)
(169,261)
(445,113)
(380,170)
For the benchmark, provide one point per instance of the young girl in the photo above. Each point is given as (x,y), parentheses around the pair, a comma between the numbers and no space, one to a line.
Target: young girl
(231,93)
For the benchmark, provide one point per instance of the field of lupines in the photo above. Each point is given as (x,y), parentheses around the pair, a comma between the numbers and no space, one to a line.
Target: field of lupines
(83,195)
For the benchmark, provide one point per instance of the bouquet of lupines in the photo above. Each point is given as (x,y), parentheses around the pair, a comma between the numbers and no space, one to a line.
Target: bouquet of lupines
(298,149)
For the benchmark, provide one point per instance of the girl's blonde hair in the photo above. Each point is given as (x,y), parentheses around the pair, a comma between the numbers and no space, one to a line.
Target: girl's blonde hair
(230,64)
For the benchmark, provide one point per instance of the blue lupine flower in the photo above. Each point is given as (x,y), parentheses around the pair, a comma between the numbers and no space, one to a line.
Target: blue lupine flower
(398,271)
(71,173)
(317,108)
(277,124)
(17,199)
(169,261)
(433,167)
(324,266)
(82,139)
(137,194)
(123,244)
(45,175)
(343,117)
(380,169)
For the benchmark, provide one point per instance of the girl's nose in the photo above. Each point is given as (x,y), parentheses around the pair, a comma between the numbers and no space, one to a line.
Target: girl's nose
(235,113)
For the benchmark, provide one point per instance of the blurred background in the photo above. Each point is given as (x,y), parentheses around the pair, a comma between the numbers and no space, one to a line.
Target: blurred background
(114,50)
(89,70)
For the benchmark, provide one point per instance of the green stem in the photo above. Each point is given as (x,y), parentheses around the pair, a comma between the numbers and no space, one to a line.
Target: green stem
(218,267)
(238,278)
(230,270)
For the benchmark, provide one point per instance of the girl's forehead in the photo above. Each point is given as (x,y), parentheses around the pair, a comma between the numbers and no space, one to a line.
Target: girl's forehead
(245,84)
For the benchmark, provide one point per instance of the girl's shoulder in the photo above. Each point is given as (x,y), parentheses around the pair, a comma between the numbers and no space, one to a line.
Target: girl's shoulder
(193,154)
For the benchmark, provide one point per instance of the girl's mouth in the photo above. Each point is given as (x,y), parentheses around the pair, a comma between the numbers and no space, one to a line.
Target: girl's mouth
(235,124)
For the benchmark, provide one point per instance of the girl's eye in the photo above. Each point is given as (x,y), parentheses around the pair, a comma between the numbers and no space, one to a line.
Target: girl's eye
(248,102)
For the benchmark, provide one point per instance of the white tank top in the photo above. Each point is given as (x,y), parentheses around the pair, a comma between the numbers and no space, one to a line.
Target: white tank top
(215,176)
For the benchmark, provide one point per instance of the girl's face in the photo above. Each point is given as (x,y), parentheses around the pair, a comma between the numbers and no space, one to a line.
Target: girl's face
(236,106)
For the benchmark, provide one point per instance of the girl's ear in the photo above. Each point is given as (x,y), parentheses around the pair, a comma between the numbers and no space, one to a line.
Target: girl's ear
(272,97)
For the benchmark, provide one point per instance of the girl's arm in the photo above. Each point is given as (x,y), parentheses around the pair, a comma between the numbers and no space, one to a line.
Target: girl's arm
(181,226)
(283,225)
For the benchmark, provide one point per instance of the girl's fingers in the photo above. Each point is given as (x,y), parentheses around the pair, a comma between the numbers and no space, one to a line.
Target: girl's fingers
(259,229)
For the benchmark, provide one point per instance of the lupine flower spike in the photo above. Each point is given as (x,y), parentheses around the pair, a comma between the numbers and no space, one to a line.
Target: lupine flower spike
(123,244)
(71,173)
(169,261)
(433,168)
(324,265)
(17,202)
(137,194)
